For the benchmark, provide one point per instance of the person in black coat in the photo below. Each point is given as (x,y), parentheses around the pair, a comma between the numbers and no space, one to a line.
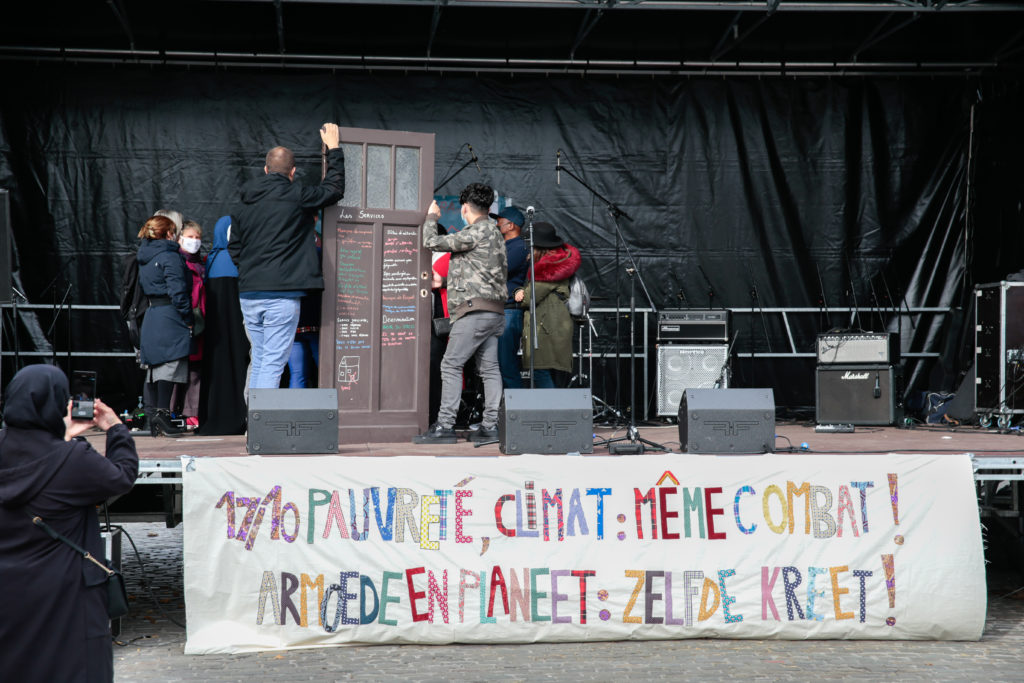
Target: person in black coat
(55,625)
(276,255)
(166,328)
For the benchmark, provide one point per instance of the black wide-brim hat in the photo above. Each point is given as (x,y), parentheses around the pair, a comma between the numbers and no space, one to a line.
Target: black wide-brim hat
(545,237)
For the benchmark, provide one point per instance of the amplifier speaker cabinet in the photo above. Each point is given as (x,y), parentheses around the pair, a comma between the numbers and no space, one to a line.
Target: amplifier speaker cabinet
(546,421)
(856,394)
(682,367)
(687,325)
(727,421)
(284,421)
(845,348)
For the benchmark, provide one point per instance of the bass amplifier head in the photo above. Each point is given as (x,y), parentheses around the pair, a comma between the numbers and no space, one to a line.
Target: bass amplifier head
(546,421)
(682,367)
(727,421)
(284,421)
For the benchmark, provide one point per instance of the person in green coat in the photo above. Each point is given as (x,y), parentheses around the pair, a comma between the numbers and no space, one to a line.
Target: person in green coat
(554,263)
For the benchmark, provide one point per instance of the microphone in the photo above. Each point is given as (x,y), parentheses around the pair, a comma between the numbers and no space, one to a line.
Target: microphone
(878,388)
(529,211)
(473,154)
(558,166)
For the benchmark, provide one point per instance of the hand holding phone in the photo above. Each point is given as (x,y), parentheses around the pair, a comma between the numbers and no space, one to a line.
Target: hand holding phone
(83,394)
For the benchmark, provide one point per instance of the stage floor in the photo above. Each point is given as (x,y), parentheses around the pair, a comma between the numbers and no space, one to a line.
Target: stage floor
(790,437)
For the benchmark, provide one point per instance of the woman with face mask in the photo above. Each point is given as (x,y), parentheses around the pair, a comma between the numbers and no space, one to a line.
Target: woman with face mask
(185,399)
(167,327)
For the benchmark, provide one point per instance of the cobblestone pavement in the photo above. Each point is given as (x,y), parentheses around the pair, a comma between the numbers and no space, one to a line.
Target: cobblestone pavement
(152,648)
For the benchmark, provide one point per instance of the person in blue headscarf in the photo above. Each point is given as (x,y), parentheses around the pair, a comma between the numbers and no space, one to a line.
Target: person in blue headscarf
(222,408)
(55,625)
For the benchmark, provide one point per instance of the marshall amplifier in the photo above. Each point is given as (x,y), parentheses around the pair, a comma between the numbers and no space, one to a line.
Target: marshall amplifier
(856,394)
(546,421)
(284,421)
(858,347)
(693,325)
(727,421)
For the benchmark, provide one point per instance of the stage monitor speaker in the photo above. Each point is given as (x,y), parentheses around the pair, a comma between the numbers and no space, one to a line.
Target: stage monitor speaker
(682,367)
(727,421)
(285,421)
(546,421)
(856,394)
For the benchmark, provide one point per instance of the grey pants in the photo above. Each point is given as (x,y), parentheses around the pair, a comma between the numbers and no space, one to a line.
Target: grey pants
(472,334)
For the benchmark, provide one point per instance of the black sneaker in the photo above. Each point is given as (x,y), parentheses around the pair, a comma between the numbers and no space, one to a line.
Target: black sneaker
(481,434)
(436,434)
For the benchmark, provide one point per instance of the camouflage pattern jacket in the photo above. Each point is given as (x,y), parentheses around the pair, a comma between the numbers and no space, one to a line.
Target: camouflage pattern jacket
(478,269)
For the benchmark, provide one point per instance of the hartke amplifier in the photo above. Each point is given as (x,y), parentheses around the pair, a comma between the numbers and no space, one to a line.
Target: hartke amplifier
(858,347)
(546,421)
(856,394)
(693,325)
(727,421)
(682,367)
(283,421)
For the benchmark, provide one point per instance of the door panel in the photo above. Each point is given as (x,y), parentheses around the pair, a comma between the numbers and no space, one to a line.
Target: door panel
(377,287)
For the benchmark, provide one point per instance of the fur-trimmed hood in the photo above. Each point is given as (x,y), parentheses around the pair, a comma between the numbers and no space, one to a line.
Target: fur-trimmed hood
(561,263)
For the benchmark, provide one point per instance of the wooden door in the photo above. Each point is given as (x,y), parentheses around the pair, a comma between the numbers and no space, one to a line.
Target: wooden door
(377,282)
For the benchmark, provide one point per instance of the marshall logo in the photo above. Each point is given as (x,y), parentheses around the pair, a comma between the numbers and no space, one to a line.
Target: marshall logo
(731,427)
(293,427)
(849,374)
(548,427)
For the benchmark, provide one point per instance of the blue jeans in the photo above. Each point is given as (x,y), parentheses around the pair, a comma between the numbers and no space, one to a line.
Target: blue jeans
(304,359)
(542,379)
(271,325)
(508,349)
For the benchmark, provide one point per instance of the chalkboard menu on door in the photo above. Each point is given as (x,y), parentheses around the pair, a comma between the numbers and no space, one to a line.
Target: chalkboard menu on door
(375,328)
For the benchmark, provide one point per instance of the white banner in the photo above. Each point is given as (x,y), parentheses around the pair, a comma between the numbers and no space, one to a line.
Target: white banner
(288,552)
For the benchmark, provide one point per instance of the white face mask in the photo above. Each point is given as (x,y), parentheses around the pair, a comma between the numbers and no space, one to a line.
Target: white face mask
(190,244)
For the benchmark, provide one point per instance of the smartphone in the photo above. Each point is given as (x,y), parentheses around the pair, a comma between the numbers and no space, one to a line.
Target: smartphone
(83,394)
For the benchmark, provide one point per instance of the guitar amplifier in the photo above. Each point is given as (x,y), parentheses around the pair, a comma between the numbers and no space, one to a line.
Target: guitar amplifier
(693,325)
(844,348)
(857,394)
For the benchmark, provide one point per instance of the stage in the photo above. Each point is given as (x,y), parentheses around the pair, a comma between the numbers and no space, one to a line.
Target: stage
(984,444)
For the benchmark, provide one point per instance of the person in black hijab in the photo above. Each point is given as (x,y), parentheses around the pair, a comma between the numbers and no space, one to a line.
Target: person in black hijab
(55,625)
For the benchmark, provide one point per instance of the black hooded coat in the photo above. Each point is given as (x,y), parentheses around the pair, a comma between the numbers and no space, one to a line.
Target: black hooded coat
(55,625)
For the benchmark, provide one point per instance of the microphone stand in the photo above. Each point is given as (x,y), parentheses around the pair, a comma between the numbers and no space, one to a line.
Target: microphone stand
(533,296)
(635,442)
(14,325)
(58,308)
(460,169)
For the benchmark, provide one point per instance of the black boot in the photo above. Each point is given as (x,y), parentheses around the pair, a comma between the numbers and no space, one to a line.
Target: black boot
(160,424)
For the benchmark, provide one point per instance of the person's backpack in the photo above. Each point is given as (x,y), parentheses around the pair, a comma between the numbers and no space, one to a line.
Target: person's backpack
(578,302)
(134,302)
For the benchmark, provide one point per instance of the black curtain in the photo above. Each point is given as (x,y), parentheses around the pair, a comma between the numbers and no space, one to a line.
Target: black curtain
(757,193)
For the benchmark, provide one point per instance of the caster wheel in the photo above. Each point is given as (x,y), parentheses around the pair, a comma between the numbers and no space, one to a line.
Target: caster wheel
(1003,422)
(985,421)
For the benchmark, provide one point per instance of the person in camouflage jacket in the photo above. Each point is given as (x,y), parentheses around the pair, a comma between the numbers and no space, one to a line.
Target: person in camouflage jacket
(476,304)
(478,267)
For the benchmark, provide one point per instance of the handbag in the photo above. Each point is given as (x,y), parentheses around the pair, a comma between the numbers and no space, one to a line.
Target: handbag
(442,326)
(117,595)
(199,323)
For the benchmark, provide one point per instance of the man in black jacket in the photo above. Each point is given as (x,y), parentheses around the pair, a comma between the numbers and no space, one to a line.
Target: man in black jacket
(273,244)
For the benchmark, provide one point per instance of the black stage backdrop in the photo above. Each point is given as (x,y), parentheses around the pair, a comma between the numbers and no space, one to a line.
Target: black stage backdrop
(878,185)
